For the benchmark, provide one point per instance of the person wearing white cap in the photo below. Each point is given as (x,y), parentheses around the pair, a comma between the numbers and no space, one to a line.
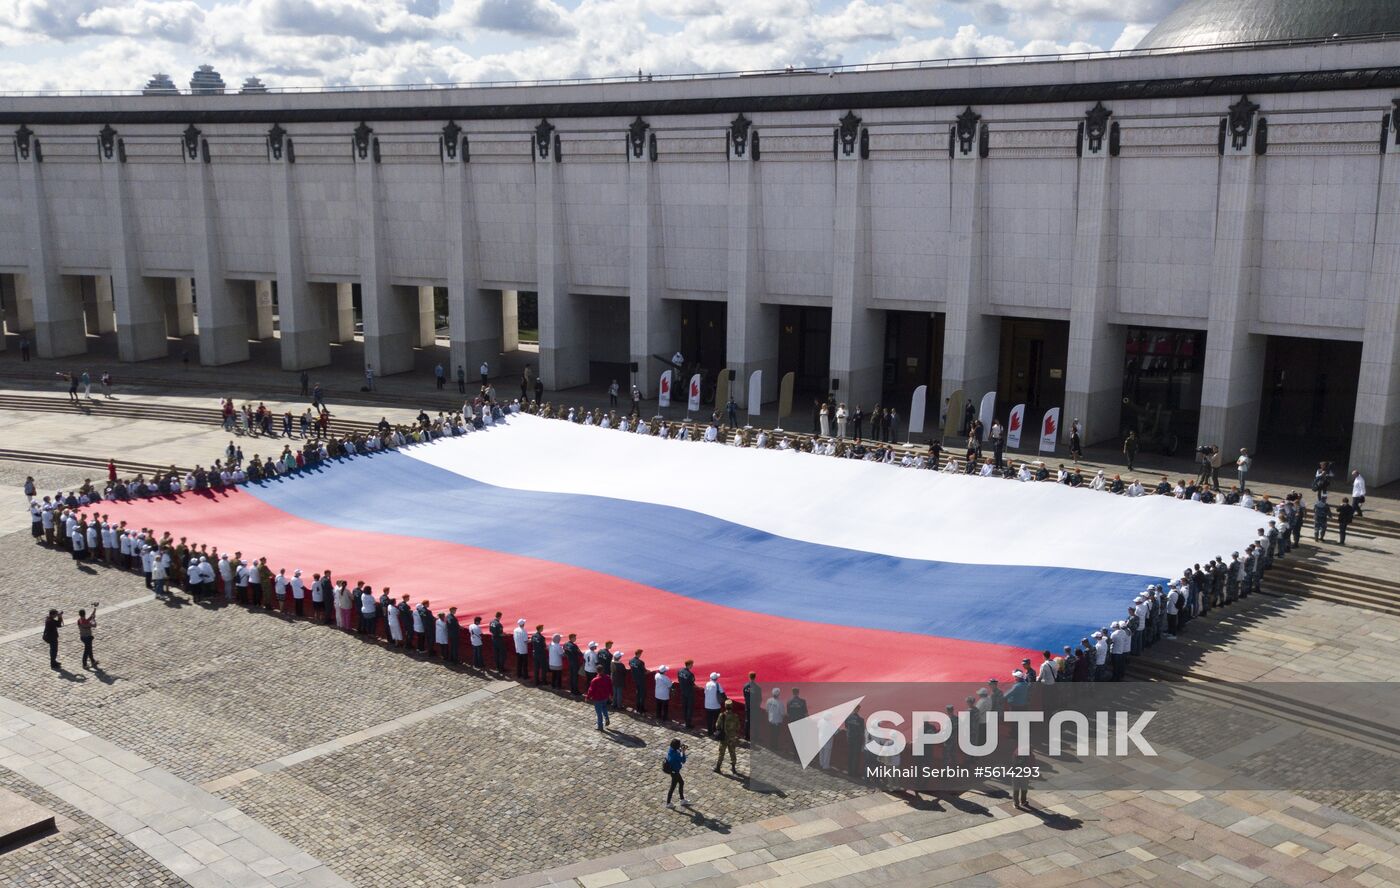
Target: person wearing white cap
(1120,642)
(663,693)
(298,593)
(522,649)
(714,701)
(556,661)
(279,589)
(590,663)
(1100,655)
(474,633)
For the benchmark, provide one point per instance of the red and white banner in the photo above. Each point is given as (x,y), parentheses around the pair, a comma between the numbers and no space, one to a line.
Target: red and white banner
(694,402)
(1050,430)
(663,389)
(1014,425)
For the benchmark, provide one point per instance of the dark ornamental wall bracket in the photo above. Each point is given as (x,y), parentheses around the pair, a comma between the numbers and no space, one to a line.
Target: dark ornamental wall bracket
(544,137)
(291,150)
(121,150)
(864,144)
(204,150)
(1115,139)
(756,147)
(637,136)
(1395,119)
(651,146)
(966,129)
(23,136)
(191,140)
(276,139)
(374,149)
(107,141)
(1240,120)
(739,135)
(361,140)
(984,141)
(1096,126)
(451,139)
(1385,130)
(1261,136)
(849,131)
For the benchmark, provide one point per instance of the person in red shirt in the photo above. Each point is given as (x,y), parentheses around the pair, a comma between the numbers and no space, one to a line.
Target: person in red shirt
(600,691)
(112,471)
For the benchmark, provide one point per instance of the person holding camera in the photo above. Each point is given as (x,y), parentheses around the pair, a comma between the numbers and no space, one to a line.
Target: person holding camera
(51,625)
(86,624)
(675,761)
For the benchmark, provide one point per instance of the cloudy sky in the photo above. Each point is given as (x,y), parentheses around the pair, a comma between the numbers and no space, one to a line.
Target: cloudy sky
(117,44)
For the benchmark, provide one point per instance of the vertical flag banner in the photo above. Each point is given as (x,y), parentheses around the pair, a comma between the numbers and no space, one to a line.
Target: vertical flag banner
(917,407)
(663,397)
(693,403)
(756,393)
(1014,425)
(955,414)
(984,413)
(785,395)
(1049,430)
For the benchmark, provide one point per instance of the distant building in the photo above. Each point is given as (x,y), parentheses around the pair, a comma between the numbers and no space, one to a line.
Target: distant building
(206,82)
(159,85)
(253,85)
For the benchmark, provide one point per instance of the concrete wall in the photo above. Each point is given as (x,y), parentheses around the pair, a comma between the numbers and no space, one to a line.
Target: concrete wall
(1278,235)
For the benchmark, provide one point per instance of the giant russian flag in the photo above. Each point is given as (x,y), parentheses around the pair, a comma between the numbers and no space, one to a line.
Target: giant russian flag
(797,566)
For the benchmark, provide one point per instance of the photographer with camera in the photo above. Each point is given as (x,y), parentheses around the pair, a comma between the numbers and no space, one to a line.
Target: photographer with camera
(51,624)
(675,760)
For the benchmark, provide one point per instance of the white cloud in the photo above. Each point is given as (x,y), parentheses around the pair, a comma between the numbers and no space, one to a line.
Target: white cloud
(117,44)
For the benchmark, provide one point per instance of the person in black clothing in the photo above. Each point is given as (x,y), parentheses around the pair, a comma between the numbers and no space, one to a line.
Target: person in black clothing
(1345,512)
(685,685)
(753,697)
(638,668)
(498,642)
(573,661)
(51,624)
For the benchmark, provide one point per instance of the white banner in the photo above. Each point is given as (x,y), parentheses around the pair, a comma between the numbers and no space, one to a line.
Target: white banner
(917,406)
(989,406)
(663,389)
(1013,426)
(756,393)
(694,402)
(1050,430)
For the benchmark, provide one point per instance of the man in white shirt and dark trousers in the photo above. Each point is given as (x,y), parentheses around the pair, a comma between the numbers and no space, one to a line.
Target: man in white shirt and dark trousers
(522,650)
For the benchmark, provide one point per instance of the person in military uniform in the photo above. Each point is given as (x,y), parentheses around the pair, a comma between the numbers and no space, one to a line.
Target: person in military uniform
(639,680)
(573,661)
(727,728)
(753,698)
(855,744)
(539,651)
(498,642)
(685,684)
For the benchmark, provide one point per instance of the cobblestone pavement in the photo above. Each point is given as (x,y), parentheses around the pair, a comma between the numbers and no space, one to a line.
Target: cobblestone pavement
(82,854)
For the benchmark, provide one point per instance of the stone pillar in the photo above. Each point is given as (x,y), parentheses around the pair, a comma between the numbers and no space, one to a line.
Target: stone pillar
(857,331)
(223,328)
(427,318)
(264,317)
(474,318)
(510,321)
(301,314)
(180,313)
(106,305)
(390,320)
(1094,368)
(141,323)
(971,336)
(751,341)
(563,319)
(57,301)
(1375,441)
(654,322)
(23,321)
(344,312)
(1234,361)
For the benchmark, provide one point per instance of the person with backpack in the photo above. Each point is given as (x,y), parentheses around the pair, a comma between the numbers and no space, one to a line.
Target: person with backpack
(674,762)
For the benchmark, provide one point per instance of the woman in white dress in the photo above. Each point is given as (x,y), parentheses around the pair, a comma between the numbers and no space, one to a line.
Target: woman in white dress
(395,629)
(841,417)
(825,418)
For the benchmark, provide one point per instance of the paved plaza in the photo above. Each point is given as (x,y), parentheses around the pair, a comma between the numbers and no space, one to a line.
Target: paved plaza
(217,746)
